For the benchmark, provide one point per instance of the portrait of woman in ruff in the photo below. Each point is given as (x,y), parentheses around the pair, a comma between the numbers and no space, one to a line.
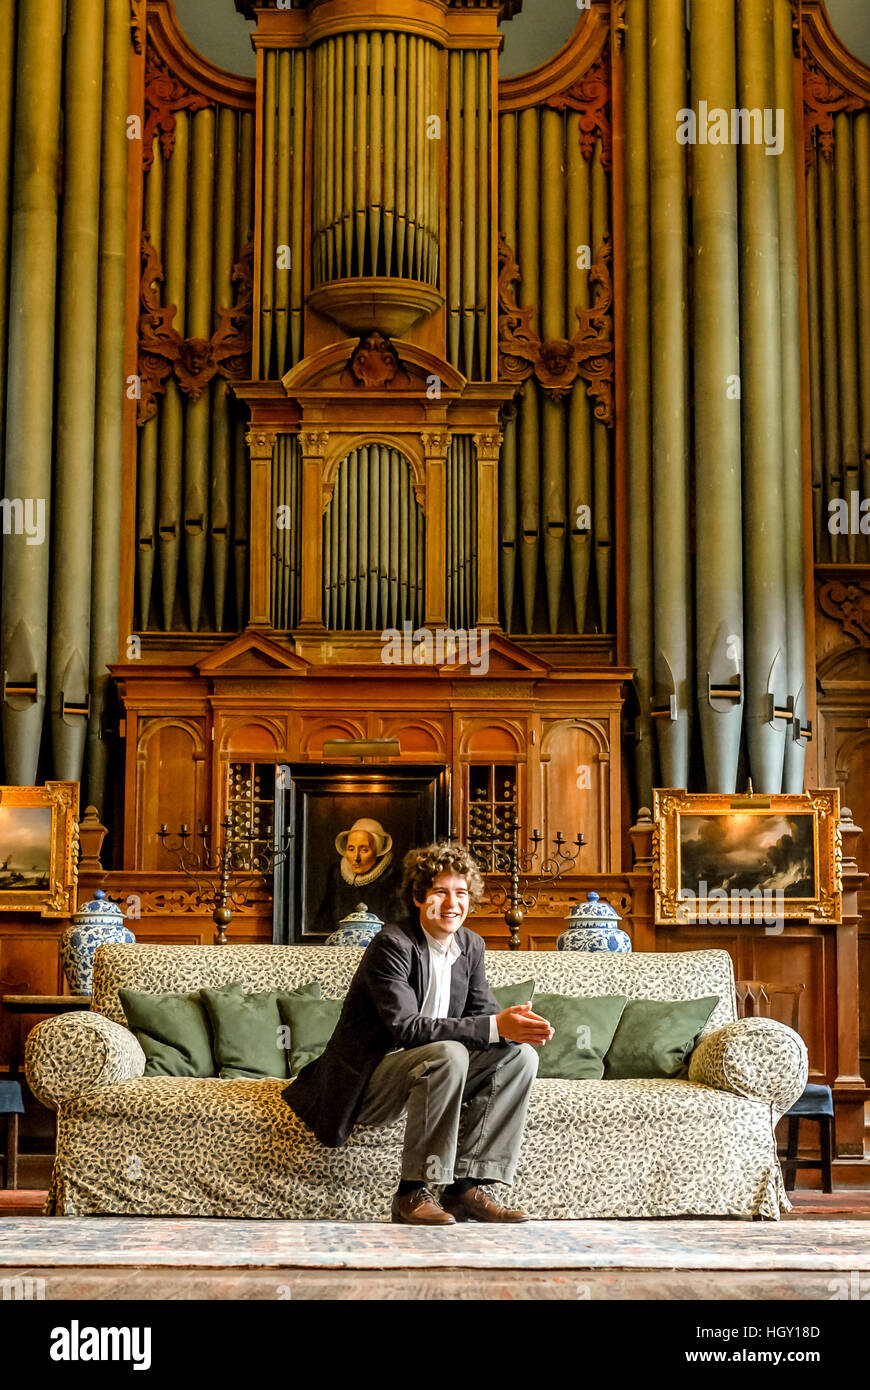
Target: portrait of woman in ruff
(365,872)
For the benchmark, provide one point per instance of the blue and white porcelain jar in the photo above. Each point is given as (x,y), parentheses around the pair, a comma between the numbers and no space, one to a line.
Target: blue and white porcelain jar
(358,928)
(593,927)
(97,923)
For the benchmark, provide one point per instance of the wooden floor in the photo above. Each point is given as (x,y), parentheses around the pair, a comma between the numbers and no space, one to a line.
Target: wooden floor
(282,1284)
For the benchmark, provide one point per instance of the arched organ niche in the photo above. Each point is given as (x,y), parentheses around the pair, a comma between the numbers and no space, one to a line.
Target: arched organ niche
(372,543)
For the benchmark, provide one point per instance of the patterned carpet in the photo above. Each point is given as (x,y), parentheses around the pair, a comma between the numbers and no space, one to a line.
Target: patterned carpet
(721,1244)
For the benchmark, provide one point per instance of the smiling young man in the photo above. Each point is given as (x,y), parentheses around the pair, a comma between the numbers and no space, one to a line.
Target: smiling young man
(421,1034)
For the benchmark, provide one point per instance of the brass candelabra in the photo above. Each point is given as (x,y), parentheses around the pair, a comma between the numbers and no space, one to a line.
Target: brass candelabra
(224,869)
(493,837)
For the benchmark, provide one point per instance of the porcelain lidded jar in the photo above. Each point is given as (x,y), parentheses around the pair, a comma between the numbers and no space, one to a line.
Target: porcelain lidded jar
(594,927)
(97,923)
(358,928)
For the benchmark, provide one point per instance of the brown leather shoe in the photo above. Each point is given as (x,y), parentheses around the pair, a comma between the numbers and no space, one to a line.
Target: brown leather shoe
(478,1204)
(419,1208)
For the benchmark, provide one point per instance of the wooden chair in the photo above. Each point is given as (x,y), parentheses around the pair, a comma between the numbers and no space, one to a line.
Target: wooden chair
(11,1106)
(11,1101)
(754,1000)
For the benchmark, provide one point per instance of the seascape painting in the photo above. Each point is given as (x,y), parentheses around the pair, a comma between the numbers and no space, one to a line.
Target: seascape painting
(25,848)
(748,852)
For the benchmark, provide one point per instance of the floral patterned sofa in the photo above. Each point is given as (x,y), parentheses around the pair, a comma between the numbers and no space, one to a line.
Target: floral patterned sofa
(635,1148)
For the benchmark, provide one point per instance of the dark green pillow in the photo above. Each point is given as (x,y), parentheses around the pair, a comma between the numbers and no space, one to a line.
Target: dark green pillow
(312,1023)
(173,1031)
(584,1032)
(249,1039)
(508,995)
(655,1037)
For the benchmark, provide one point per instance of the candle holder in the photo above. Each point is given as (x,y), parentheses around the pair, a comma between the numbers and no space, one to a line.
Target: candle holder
(236,861)
(493,837)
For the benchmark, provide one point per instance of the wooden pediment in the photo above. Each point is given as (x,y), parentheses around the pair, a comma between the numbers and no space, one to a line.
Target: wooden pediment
(252,653)
(372,367)
(505,659)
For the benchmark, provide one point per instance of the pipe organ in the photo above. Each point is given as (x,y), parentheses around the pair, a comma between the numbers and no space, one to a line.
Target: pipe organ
(376,338)
(376,343)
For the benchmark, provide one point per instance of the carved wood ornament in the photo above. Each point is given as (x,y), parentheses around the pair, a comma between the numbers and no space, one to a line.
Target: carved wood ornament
(823,100)
(164,95)
(558,362)
(374,362)
(848,603)
(194,361)
(137,24)
(590,96)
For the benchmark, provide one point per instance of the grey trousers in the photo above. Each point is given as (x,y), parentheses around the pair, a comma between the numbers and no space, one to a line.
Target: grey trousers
(466,1110)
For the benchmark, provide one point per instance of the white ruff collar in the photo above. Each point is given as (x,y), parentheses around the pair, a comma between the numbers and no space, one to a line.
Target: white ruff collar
(360,880)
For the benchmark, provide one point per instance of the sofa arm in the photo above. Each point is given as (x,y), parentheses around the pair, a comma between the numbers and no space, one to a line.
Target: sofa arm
(754,1057)
(70,1054)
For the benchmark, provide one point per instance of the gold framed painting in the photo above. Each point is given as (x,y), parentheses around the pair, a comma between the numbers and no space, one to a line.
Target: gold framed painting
(39,848)
(746,859)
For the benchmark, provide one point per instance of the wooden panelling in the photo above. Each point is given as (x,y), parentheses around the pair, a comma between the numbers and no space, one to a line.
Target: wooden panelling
(575,787)
(171,775)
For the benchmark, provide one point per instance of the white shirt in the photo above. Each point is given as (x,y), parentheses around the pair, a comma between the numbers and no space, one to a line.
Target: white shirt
(437,1001)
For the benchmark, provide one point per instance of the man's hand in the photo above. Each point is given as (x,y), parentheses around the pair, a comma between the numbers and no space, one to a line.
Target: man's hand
(519,1024)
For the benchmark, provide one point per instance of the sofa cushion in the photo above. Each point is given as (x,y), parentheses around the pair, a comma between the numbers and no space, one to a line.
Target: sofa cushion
(312,1023)
(655,1037)
(584,1030)
(173,1031)
(509,995)
(249,1041)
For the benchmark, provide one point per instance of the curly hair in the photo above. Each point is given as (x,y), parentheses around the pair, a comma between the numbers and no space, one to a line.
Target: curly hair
(421,867)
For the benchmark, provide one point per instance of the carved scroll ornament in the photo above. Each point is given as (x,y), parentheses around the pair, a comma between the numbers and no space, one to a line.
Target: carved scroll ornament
(164,95)
(194,361)
(558,362)
(823,100)
(848,603)
(590,96)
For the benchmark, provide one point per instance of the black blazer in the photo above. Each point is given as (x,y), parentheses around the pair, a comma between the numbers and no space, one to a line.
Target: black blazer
(382,1011)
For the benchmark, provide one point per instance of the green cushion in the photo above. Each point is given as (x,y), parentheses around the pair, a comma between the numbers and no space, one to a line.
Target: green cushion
(249,1037)
(584,1032)
(312,1023)
(173,1031)
(655,1037)
(508,995)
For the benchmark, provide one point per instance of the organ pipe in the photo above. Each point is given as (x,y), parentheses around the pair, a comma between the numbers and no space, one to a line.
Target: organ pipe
(372,536)
(669,376)
(376,198)
(716,355)
(109,408)
(220,508)
(29,397)
(761,384)
(7,125)
(601,515)
(73,490)
(199,325)
(638,402)
(171,451)
(792,450)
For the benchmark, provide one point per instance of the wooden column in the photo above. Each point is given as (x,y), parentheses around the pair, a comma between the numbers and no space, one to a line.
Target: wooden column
(313,444)
(642,924)
(487,445)
(261,444)
(850,1089)
(436,444)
